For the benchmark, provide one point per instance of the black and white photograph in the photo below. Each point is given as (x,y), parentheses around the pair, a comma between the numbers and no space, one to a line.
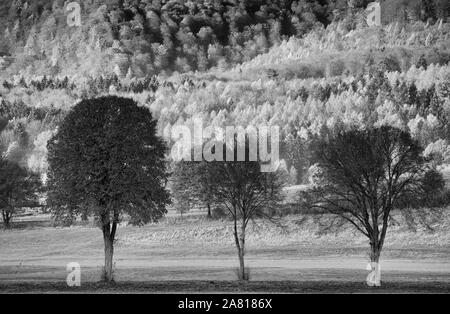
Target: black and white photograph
(224,152)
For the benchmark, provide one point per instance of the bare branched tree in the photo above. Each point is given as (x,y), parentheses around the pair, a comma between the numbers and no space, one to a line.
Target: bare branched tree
(364,174)
(246,193)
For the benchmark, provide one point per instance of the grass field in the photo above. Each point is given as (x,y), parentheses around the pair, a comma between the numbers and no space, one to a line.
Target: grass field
(197,255)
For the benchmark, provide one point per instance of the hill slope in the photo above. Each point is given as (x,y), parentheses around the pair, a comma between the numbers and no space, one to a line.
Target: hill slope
(146,37)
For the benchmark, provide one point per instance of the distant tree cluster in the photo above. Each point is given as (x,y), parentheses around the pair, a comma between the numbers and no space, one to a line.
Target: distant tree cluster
(104,84)
(19,185)
(41,84)
(415,10)
(18,109)
(95,85)
(19,189)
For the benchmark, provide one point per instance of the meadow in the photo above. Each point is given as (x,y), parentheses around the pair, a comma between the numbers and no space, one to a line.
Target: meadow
(195,254)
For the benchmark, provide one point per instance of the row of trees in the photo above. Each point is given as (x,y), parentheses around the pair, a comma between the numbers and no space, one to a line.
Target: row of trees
(42,84)
(97,85)
(106,159)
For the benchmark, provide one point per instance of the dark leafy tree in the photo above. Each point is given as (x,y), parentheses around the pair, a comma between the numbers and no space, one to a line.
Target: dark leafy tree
(296,153)
(19,188)
(183,181)
(422,62)
(429,197)
(107,160)
(433,187)
(192,186)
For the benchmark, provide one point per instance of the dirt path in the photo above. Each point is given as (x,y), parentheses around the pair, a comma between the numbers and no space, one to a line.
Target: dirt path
(186,269)
(347,263)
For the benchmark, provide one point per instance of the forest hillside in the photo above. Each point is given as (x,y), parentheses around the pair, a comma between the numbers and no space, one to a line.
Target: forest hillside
(311,67)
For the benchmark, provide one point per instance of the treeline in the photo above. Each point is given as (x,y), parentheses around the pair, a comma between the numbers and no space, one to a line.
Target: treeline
(41,84)
(93,85)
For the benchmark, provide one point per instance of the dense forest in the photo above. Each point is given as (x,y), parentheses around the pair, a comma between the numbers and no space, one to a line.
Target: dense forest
(142,37)
(311,67)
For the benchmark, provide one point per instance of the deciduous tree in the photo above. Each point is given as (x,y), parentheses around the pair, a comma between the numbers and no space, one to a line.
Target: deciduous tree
(365,173)
(245,193)
(106,159)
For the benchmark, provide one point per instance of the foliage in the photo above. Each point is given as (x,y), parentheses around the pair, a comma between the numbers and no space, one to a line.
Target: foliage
(192,186)
(19,188)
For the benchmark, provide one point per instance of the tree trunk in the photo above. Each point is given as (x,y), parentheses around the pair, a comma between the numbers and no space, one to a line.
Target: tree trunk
(376,245)
(374,278)
(240,245)
(374,254)
(242,275)
(84,216)
(108,238)
(109,251)
(6,219)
